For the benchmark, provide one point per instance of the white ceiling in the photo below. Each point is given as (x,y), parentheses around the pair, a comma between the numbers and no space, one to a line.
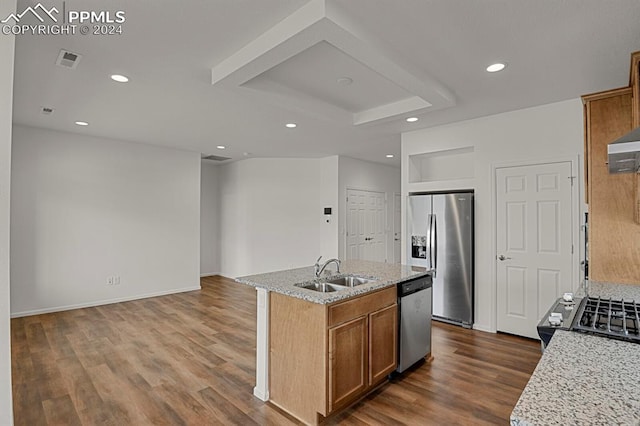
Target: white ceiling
(315,72)
(433,50)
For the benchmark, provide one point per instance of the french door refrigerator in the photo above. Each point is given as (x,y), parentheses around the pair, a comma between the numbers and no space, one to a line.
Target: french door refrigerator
(440,237)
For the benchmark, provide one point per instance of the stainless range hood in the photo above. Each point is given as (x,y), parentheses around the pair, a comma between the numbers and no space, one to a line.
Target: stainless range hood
(624,153)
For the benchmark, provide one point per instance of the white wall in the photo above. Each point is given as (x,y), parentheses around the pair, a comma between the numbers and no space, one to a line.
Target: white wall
(234,214)
(328,196)
(6,107)
(85,208)
(209,220)
(542,133)
(364,175)
(270,215)
(272,210)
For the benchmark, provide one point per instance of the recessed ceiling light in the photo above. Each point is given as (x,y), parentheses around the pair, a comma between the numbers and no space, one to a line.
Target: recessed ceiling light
(412,119)
(221,147)
(499,66)
(389,155)
(291,125)
(119,78)
(82,123)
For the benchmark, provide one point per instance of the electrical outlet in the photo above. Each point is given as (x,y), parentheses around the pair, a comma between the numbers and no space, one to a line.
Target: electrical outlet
(109,280)
(116,280)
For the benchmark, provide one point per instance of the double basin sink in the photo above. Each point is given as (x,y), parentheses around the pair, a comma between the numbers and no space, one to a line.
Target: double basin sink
(335,284)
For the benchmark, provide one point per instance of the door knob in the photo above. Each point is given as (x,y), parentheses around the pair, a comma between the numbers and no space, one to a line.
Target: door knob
(503,257)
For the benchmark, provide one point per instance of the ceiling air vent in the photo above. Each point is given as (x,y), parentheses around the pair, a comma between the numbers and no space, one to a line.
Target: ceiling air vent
(215,158)
(68,59)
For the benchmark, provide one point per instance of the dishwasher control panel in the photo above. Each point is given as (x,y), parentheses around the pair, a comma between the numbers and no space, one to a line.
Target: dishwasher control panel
(408,287)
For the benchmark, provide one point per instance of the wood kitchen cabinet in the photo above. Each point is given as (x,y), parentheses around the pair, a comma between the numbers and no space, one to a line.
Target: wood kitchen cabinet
(325,357)
(348,357)
(634,82)
(614,232)
(362,353)
(383,343)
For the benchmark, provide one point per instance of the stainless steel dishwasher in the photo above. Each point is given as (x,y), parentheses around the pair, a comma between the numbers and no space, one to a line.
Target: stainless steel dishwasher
(415,305)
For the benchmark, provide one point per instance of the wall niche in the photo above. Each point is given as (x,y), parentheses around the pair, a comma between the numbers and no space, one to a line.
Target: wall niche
(449,164)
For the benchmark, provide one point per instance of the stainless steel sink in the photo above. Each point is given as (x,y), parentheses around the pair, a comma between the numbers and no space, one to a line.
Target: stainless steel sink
(349,281)
(330,285)
(324,287)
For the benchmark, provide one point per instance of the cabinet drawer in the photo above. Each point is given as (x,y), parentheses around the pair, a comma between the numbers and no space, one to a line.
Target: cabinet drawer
(361,305)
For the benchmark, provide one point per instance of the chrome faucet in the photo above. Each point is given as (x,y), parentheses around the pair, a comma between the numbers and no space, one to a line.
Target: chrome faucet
(319,269)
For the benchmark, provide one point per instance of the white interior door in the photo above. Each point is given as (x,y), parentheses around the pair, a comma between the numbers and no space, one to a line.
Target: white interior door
(366,220)
(397,233)
(534,243)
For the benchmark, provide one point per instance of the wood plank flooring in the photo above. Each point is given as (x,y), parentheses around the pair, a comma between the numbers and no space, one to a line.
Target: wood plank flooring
(189,359)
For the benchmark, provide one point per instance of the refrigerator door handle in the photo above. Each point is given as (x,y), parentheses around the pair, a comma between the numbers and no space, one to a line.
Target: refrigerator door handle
(429,248)
(432,265)
(434,244)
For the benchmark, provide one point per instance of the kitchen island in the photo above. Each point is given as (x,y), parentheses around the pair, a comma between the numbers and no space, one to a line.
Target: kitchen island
(318,352)
(585,379)
(289,282)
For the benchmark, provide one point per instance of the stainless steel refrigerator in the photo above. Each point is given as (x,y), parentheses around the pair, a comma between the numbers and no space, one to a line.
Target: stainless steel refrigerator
(440,237)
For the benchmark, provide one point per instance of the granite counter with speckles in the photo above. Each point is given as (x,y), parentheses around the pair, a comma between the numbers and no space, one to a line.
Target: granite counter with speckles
(288,282)
(583,379)
(626,292)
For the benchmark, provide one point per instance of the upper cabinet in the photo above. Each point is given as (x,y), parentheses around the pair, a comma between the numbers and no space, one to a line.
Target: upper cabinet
(614,232)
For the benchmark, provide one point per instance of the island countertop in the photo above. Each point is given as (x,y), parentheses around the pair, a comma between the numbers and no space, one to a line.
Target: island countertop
(288,281)
(585,379)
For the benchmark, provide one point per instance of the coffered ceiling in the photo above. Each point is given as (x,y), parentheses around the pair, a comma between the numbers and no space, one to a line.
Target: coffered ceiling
(348,72)
(306,56)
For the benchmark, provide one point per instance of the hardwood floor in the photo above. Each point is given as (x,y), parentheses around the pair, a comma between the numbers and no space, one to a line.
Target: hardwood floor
(189,359)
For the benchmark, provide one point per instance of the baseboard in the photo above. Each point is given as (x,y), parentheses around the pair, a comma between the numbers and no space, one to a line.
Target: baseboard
(101,302)
(483,328)
(209,274)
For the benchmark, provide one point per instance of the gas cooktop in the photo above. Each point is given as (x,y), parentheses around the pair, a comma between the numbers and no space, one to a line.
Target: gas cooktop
(612,318)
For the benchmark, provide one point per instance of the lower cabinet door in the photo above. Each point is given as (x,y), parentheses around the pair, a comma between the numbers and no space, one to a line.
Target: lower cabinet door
(348,354)
(383,343)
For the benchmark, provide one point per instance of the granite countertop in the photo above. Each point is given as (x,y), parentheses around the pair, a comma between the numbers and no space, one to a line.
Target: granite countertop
(581,380)
(626,292)
(383,274)
(585,379)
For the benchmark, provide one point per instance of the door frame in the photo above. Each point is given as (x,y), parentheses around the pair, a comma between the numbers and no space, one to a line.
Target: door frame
(393,224)
(576,190)
(346,217)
